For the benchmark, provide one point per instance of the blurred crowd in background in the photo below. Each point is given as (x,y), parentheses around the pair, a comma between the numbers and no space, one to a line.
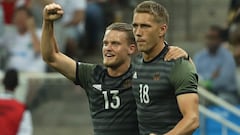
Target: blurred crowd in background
(80,31)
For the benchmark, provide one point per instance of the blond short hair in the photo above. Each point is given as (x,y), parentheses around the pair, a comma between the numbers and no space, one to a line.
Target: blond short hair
(124,27)
(157,10)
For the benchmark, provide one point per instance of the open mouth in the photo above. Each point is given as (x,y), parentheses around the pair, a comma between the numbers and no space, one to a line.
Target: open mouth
(109,55)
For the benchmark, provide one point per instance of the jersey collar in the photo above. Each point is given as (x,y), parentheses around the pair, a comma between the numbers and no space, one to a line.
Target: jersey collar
(160,55)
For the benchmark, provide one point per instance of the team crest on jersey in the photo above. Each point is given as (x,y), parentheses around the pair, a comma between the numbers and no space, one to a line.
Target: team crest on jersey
(156,76)
(127,83)
(135,75)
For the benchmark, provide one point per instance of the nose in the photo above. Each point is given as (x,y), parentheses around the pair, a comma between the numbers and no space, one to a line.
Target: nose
(138,32)
(107,47)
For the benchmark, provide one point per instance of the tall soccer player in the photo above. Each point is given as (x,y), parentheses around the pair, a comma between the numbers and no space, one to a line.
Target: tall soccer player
(165,91)
(108,87)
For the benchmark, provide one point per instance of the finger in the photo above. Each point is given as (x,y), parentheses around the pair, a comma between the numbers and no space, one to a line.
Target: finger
(60,12)
(169,56)
(53,8)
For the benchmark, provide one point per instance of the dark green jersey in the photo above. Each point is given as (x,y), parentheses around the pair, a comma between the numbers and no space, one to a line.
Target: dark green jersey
(156,84)
(111,101)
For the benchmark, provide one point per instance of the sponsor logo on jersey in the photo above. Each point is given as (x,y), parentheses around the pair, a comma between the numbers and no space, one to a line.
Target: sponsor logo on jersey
(97,86)
(135,75)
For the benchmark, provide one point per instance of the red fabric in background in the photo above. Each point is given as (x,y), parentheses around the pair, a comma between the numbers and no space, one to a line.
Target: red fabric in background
(11,113)
(8,7)
(8,11)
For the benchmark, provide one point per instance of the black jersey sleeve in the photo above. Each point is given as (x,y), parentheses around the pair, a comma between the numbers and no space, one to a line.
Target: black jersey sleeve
(84,73)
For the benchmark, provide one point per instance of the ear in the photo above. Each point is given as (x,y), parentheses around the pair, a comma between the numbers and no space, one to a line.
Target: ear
(132,49)
(163,30)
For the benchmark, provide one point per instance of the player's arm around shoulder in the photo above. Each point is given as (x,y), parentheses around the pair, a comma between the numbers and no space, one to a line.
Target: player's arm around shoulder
(49,48)
(175,53)
(185,81)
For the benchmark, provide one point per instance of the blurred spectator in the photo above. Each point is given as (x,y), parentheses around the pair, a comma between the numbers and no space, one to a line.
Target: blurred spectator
(234,35)
(94,24)
(216,67)
(233,8)
(15,119)
(73,22)
(99,14)
(234,39)
(23,43)
(9,7)
(1,22)
(2,29)
(36,7)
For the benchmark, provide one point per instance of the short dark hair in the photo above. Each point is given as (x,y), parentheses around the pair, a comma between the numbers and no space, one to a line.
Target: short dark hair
(10,80)
(219,30)
(24,8)
(157,10)
(124,27)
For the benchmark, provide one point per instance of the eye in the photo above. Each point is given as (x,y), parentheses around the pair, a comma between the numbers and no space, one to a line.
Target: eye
(115,43)
(104,43)
(134,25)
(145,26)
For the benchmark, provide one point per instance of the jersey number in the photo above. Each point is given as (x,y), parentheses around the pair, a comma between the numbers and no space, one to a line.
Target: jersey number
(144,96)
(115,99)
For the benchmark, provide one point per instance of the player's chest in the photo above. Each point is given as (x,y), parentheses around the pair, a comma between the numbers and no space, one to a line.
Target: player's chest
(150,85)
(156,77)
(111,96)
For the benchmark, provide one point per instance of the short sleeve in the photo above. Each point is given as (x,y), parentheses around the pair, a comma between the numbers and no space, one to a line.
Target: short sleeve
(84,73)
(184,77)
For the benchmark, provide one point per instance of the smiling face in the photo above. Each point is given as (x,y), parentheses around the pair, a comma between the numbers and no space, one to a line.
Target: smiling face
(116,49)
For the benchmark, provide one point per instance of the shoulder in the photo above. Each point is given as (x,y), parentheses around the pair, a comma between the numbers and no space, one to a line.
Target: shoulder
(99,72)
(201,54)
(87,67)
(224,51)
(137,58)
(183,65)
(98,69)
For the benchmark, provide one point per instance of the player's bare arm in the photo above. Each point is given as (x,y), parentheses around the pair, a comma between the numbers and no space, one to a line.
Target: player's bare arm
(188,104)
(49,48)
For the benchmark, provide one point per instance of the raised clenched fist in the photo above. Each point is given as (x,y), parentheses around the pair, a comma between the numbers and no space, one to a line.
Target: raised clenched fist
(52,12)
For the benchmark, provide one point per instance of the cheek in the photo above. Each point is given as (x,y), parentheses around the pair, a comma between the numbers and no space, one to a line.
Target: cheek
(152,39)
(122,52)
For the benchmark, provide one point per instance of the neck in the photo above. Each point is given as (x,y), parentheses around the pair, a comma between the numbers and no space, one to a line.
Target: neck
(9,91)
(151,54)
(213,51)
(120,70)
